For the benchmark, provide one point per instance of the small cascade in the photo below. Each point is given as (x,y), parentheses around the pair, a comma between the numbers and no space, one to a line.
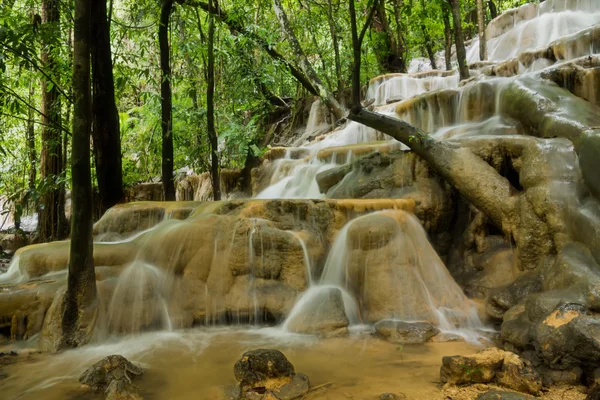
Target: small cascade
(307,261)
(534,27)
(13,274)
(385,268)
(404,86)
(140,301)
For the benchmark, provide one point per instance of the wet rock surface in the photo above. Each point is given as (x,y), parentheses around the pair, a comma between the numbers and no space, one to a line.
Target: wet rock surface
(267,374)
(502,395)
(113,375)
(405,332)
(492,365)
(392,396)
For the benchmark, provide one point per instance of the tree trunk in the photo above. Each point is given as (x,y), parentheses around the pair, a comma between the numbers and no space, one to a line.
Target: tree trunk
(326,96)
(427,37)
(493,9)
(31,139)
(210,108)
(459,166)
(52,220)
(105,126)
(166,101)
(81,304)
(389,47)
(461,53)
(400,44)
(357,40)
(447,36)
(336,50)
(481,29)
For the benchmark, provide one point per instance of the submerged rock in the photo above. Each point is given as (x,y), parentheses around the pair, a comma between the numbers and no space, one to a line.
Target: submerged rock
(405,332)
(258,366)
(502,395)
(113,376)
(392,396)
(121,390)
(298,386)
(267,374)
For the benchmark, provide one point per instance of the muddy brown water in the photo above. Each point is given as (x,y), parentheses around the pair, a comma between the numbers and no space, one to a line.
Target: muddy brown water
(198,364)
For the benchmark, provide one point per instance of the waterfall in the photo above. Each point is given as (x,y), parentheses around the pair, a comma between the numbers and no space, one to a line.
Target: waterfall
(370,265)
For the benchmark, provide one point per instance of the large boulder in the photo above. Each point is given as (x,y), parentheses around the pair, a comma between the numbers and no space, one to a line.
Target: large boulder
(502,299)
(518,374)
(568,337)
(267,374)
(479,368)
(405,332)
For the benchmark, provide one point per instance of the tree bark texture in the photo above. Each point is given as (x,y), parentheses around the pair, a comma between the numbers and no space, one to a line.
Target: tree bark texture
(31,140)
(481,30)
(166,101)
(105,126)
(336,50)
(461,53)
(447,36)
(389,47)
(493,9)
(459,166)
(81,304)
(210,108)
(52,220)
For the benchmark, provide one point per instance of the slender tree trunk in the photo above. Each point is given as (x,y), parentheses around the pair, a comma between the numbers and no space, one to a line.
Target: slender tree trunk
(357,39)
(493,9)
(461,53)
(389,47)
(105,125)
(166,101)
(447,36)
(481,28)
(400,45)
(31,139)
(210,108)
(326,96)
(336,50)
(52,221)
(356,50)
(81,304)
(427,37)
(68,113)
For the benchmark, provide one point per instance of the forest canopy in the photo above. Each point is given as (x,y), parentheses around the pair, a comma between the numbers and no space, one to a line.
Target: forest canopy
(252,73)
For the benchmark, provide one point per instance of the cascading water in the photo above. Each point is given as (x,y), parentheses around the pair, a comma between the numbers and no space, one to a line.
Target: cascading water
(535,26)
(385,258)
(260,263)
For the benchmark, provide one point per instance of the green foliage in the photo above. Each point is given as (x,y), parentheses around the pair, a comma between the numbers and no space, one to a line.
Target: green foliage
(244,73)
